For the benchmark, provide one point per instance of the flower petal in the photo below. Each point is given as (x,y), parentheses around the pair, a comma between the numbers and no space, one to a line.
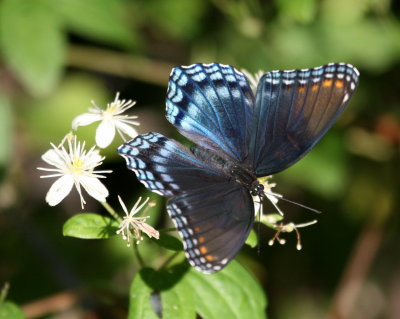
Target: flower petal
(94,187)
(93,160)
(54,158)
(127,129)
(85,119)
(105,133)
(59,190)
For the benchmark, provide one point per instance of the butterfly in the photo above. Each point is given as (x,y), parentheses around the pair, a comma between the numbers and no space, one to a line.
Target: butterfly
(239,138)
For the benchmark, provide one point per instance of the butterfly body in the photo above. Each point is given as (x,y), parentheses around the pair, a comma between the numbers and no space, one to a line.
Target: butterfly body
(236,172)
(240,137)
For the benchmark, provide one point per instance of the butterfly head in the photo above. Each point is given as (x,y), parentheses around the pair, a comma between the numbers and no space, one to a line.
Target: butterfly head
(257,189)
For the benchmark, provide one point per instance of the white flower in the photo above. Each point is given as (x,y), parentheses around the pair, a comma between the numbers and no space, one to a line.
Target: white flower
(74,167)
(110,120)
(288,228)
(273,197)
(253,79)
(138,224)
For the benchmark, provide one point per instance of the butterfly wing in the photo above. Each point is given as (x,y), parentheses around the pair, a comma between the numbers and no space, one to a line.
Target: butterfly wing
(214,223)
(212,105)
(293,111)
(166,167)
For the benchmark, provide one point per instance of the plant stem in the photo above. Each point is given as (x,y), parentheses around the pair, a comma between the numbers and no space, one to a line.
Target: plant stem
(169,260)
(137,254)
(111,211)
(4,291)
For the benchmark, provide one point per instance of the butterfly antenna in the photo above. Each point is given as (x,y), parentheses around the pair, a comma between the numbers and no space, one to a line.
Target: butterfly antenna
(306,207)
(259,222)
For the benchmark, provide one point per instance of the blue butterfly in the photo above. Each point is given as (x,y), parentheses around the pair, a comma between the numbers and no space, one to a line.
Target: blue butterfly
(239,138)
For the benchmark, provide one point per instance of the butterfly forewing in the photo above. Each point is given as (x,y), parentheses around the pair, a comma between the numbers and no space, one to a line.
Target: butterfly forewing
(211,104)
(293,111)
(214,223)
(166,167)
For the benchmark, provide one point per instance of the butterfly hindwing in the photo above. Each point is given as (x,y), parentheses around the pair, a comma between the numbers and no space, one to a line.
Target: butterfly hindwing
(213,222)
(211,104)
(165,166)
(293,111)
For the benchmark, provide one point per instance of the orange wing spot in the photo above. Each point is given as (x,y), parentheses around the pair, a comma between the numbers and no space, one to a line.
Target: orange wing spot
(203,250)
(209,258)
(302,89)
(196,229)
(327,83)
(201,240)
(339,84)
(315,87)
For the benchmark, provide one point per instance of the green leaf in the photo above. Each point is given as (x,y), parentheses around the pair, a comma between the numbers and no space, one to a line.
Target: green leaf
(176,294)
(9,310)
(139,297)
(178,302)
(230,293)
(303,11)
(252,239)
(99,20)
(180,18)
(168,242)
(32,44)
(90,226)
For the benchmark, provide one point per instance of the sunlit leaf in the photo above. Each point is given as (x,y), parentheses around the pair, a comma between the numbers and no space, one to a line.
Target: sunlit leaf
(302,11)
(32,43)
(9,310)
(90,226)
(176,294)
(230,293)
(178,302)
(139,297)
(252,239)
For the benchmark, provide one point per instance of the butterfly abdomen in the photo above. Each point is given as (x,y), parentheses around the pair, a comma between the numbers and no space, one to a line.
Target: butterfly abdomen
(235,172)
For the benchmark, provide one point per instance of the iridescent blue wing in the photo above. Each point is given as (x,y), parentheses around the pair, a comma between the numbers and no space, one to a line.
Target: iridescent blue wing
(214,223)
(166,167)
(294,110)
(212,105)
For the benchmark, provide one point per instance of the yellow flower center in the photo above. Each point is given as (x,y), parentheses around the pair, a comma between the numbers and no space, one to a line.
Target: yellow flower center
(109,113)
(77,166)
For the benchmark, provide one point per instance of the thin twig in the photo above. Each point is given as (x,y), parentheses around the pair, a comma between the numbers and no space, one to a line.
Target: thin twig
(112,212)
(120,64)
(4,292)
(164,265)
(363,255)
(53,304)
(137,254)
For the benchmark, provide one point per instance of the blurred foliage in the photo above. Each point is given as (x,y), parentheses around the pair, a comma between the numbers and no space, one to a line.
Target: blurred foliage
(58,55)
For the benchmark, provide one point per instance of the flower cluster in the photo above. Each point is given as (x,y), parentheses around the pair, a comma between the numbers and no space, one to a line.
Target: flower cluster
(74,166)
